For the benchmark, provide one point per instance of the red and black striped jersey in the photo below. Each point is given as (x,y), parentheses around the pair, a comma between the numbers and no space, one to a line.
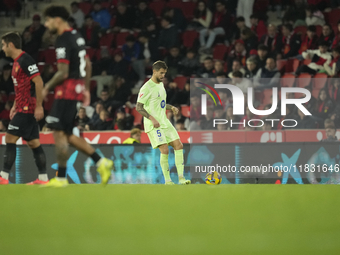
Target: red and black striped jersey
(23,71)
(70,49)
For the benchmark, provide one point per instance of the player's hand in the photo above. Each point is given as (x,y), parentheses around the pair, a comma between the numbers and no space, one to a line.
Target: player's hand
(39,113)
(44,94)
(154,122)
(86,98)
(12,113)
(174,110)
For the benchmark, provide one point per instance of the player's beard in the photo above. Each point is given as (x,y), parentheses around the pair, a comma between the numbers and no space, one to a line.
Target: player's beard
(159,80)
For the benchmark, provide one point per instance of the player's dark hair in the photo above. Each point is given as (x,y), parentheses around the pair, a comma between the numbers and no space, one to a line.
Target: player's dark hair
(208,58)
(88,17)
(158,65)
(54,11)
(13,37)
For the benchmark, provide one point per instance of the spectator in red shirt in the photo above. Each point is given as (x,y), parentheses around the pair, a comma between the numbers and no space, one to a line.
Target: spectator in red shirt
(311,40)
(258,26)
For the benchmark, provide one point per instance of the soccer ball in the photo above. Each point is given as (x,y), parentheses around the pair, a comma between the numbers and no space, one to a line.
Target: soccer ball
(213,178)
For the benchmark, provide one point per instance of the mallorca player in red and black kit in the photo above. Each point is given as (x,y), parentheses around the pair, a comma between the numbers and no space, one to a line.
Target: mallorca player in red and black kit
(71,84)
(27,108)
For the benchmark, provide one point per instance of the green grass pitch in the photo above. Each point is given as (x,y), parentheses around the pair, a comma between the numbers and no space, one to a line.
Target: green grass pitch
(159,219)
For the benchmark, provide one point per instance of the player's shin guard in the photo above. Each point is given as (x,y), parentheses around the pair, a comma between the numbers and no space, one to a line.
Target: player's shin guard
(9,158)
(40,161)
(179,161)
(165,167)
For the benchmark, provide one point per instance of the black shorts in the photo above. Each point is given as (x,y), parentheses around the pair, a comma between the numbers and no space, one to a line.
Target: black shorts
(62,115)
(24,125)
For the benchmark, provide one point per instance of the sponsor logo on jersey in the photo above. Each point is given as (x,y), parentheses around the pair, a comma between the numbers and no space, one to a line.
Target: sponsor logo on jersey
(61,52)
(33,69)
(15,81)
(163,103)
(25,108)
(158,94)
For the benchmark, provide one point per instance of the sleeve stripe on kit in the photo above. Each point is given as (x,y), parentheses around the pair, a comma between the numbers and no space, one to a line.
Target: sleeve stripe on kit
(34,75)
(65,61)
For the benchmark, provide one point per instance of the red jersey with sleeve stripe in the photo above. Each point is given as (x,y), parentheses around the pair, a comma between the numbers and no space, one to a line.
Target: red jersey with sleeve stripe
(70,49)
(23,71)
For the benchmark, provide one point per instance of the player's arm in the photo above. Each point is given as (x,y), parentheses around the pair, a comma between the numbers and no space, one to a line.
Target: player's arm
(12,112)
(88,70)
(172,108)
(59,77)
(143,112)
(39,111)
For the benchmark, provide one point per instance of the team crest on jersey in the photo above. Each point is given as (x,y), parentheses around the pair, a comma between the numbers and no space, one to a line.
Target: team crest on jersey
(163,104)
(16,68)
(141,95)
(59,93)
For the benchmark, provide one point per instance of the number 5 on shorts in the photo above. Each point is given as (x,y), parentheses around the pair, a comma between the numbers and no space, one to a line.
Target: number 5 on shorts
(159,133)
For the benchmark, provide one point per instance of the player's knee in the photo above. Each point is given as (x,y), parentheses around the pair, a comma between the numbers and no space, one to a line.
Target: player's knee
(33,143)
(179,146)
(10,138)
(164,149)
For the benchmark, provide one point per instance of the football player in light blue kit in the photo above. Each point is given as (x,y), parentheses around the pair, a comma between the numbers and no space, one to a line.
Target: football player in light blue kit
(151,103)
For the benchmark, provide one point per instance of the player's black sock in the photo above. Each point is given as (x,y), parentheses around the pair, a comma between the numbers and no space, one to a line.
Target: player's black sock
(95,157)
(61,172)
(9,156)
(40,159)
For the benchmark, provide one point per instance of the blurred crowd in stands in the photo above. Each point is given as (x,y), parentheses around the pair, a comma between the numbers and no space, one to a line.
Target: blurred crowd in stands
(232,41)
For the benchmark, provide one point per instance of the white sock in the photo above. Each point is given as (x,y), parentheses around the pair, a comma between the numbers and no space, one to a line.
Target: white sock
(4,175)
(61,178)
(99,162)
(43,177)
